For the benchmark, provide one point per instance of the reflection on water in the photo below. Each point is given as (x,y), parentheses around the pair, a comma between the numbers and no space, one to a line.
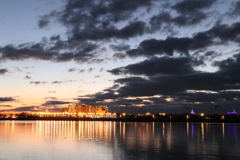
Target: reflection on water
(60,140)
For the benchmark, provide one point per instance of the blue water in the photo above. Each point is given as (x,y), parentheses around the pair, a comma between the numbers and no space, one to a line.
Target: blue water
(73,140)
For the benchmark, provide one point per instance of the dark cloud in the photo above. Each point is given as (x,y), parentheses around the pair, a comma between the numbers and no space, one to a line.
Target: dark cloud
(119,55)
(121,47)
(187,6)
(230,69)
(50,98)
(101,69)
(55,38)
(53,82)
(201,97)
(130,80)
(5,106)
(3,71)
(95,20)
(225,32)
(195,81)
(28,77)
(131,30)
(80,52)
(235,11)
(153,66)
(58,50)
(157,22)
(164,21)
(179,87)
(49,103)
(80,12)
(82,71)
(3,99)
(115,10)
(210,53)
(38,82)
(167,85)
(90,69)
(189,19)
(190,12)
(56,82)
(30,108)
(220,34)
(171,84)
(24,52)
(43,22)
(72,70)
(151,47)
(65,81)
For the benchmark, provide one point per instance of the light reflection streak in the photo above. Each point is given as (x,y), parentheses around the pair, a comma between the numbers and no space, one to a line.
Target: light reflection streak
(187,129)
(87,129)
(153,128)
(12,126)
(120,128)
(192,130)
(223,130)
(208,127)
(202,129)
(170,127)
(169,137)
(124,135)
(82,129)
(114,130)
(163,130)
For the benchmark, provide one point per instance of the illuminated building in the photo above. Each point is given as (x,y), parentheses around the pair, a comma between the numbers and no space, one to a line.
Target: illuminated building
(84,110)
(192,112)
(233,112)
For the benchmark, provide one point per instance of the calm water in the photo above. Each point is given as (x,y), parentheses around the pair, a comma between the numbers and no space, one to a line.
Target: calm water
(72,140)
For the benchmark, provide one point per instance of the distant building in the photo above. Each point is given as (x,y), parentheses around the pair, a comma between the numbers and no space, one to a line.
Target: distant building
(84,110)
(192,112)
(233,112)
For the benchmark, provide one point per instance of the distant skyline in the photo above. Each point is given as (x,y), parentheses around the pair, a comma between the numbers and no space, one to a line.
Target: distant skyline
(133,56)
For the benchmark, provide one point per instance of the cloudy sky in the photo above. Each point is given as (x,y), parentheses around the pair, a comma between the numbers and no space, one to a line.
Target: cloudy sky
(133,56)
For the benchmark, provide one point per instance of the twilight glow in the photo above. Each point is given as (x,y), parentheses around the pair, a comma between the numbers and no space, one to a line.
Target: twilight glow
(163,56)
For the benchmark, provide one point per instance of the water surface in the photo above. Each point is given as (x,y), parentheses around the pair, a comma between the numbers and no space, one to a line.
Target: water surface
(98,140)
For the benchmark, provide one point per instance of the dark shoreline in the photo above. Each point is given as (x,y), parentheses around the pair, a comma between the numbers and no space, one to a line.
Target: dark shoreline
(226,120)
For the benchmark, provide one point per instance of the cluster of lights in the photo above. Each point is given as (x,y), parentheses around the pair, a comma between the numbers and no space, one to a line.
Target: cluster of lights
(14,115)
(57,114)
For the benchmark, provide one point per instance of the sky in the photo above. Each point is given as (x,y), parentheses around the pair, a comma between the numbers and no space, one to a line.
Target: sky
(133,56)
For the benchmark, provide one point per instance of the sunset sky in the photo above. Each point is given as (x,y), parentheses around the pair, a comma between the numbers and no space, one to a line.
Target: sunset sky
(133,56)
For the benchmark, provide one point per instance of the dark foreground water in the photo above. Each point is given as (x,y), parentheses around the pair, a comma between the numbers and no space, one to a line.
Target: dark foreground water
(93,140)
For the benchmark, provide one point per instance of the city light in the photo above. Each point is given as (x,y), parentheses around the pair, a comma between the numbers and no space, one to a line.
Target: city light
(83,111)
